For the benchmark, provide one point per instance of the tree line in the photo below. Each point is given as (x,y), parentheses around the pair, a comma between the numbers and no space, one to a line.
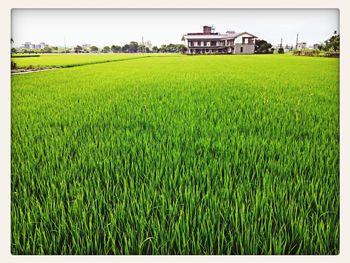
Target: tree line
(134,47)
(131,47)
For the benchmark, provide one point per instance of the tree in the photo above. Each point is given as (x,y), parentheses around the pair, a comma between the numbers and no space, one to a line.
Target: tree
(163,48)
(46,49)
(13,50)
(333,44)
(321,46)
(182,48)
(155,49)
(126,48)
(133,47)
(171,48)
(280,50)
(78,49)
(93,49)
(116,48)
(141,48)
(262,46)
(106,49)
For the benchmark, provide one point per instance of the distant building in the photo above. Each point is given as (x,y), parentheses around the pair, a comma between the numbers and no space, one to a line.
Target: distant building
(32,46)
(318,46)
(208,42)
(27,45)
(84,46)
(300,45)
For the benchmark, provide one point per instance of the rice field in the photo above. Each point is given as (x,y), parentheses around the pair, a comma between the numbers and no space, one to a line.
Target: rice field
(178,155)
(69,60)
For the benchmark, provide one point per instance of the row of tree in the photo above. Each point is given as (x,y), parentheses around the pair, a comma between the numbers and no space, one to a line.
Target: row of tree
(263,47)
(328,48)
(46,49)
(331,44)
(134,47)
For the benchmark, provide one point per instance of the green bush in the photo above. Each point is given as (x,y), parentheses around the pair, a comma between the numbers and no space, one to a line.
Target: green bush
(13,65)
(307,52)
(332,54)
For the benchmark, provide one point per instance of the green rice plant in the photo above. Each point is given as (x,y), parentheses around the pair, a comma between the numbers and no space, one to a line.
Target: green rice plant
(210,155)
(68,60)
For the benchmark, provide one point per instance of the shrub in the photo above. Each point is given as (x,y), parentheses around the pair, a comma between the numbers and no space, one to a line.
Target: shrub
(332,54)
(13,65)
(307,52)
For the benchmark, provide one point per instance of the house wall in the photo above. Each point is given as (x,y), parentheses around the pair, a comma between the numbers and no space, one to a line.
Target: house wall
(240,38)
(247,49)
(186,45)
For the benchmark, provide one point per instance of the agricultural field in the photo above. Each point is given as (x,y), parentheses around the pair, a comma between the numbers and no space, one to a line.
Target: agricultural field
(68,60)
(177,155)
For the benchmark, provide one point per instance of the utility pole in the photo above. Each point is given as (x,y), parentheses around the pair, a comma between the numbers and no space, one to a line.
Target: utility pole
(65,49)
(296,44)
(281,43)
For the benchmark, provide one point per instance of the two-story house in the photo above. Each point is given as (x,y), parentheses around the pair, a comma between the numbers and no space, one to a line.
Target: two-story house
(208,42)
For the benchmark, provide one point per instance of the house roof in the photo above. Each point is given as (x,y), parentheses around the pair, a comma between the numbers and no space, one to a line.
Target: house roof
(219,36)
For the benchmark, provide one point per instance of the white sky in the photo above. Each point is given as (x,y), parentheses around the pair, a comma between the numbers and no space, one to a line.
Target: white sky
(102,27)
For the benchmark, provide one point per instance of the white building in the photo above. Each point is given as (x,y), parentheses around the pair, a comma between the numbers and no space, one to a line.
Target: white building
(27,45)
(86,46)
(301,45)
(32,45)
(208,42)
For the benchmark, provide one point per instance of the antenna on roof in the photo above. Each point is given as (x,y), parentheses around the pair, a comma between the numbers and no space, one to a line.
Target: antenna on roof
(212,28)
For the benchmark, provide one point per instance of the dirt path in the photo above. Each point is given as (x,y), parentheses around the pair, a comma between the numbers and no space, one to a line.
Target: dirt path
(31,71)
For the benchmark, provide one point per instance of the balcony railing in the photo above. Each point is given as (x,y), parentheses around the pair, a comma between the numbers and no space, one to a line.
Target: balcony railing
(220,45)
(191,45)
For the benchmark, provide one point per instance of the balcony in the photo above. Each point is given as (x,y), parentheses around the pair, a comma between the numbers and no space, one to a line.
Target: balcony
(211,44)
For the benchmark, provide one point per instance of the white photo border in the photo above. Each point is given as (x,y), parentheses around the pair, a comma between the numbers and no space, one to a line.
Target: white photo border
(5,122)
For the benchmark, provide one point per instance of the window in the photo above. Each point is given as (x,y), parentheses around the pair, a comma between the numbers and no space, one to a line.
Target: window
(241,49)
